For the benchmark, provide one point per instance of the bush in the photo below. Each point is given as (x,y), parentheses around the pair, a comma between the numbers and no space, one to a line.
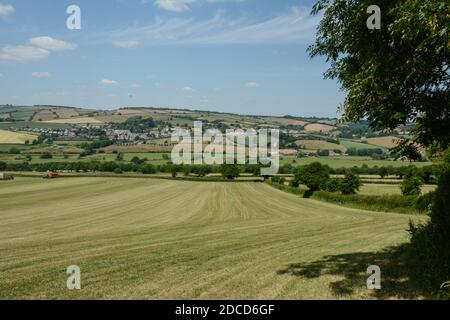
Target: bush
(429,252)
(426,173)
(428,260)
(148,169)
(46,155)
(294,184)
(411,186)
(333,185)
(87,153)
(425,202)
(393,203)
(136,160)
(118,171)
(119,156)
(14,151)
(315,176)
(350,184)
(230,172)
(323,153)
(290,189)
(383,172)
(202,170)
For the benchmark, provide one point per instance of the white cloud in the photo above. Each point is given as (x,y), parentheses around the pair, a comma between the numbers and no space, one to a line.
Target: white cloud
(251,85)
(127,44)
(22,53)
(107,82)
(174,5)
(135,86)
(36,49)
(293,26)
(6,10)
(181,5)
(52,44)
(40,74)
(187,89)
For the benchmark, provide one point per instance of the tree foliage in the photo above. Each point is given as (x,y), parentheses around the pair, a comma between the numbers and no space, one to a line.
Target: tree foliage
(315,176)
(230,171)
(350,183)
(394,75)
(411,186)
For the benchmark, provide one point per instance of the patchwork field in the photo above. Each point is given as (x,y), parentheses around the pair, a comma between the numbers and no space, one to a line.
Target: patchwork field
(145,238)
(388,189)
(384,142)
(287,121)
(319,145)
(9,137)
(319,127)
(349,162)
(76,121)
(357,145)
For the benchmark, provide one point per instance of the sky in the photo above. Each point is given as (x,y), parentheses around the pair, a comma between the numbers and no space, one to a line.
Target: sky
(240,56)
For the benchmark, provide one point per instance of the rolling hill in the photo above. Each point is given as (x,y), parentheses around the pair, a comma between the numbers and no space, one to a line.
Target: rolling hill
(159,239)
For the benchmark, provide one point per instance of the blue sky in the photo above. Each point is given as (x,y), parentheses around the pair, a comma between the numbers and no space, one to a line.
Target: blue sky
(243,56)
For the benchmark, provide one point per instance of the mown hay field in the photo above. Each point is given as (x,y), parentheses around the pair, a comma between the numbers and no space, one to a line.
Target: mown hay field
(349,144)
(319,127)
(384,142)
(389,189)
(76,121)
(9,137)
(320,145)
(163,239)
(349,162)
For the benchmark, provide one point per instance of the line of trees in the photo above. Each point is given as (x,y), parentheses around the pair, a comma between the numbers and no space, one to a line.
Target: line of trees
(427,174)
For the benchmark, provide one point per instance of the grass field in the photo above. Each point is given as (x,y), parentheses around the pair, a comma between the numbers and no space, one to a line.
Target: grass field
(319,127)
(75,121)
(45,115)
(9,137)
(358,145)
(384,142)
(388,189)
(349,162)
(32,124)
(144,238)
(320,145)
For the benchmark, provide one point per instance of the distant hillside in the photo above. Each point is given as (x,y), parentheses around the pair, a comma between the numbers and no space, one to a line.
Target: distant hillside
(41,116)
(70,115)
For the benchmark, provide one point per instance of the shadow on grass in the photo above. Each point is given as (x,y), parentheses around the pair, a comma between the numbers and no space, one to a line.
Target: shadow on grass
(352,269)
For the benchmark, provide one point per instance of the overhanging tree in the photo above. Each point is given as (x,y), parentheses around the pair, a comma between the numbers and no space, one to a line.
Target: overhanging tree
(393,76)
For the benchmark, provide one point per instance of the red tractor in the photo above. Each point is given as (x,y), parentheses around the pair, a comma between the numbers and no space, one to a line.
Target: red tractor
(50,175)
